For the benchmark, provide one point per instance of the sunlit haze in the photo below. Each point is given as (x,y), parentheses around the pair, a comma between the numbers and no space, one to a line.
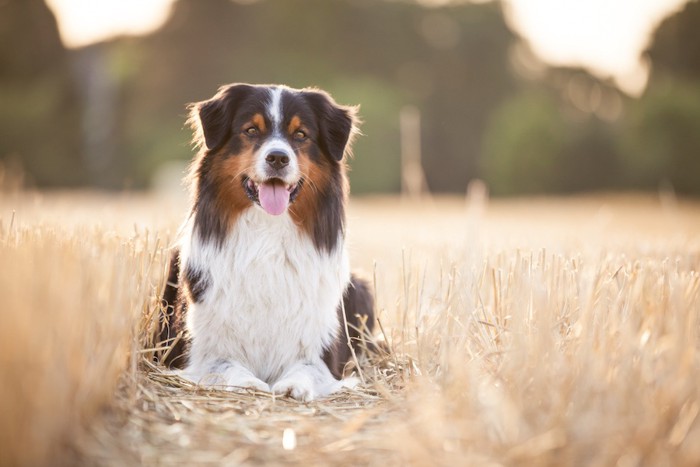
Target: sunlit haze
(606,36)
(82,22)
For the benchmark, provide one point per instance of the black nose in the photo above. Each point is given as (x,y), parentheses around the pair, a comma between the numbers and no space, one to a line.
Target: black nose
(277,159)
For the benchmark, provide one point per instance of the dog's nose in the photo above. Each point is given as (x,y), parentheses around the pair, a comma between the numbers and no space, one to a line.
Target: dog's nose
(277,159)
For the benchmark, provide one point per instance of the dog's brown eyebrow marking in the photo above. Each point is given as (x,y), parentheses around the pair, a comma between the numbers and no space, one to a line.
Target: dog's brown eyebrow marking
(294,124)
(259,122)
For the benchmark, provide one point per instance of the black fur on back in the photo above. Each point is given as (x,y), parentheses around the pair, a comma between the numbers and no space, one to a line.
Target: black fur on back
(358,306)
(172,319)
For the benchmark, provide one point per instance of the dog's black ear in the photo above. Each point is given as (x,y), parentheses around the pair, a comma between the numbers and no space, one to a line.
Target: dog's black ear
(211,119)
(337,124)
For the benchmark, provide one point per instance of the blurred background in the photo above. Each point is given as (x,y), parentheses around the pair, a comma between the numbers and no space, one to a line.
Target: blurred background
(531,96)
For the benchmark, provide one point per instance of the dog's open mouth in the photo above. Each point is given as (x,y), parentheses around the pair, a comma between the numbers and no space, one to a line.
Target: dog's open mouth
(273,195)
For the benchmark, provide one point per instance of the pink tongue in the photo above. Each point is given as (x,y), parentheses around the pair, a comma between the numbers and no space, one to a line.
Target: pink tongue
(273,197)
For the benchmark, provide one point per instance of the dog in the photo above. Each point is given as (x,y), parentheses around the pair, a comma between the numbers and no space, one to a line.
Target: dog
(259,292)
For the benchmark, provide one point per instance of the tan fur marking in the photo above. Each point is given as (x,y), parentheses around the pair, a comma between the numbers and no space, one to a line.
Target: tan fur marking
(294,124)
(259,121)
(304,211)
(231,199)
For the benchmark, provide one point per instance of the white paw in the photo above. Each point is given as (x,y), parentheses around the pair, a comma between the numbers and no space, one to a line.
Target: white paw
(229,376)
(251,383)
(348,383)
(299,389)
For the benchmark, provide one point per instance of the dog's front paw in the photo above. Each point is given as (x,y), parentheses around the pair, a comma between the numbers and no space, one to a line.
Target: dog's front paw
(243,384)
(226,376)
(297,388)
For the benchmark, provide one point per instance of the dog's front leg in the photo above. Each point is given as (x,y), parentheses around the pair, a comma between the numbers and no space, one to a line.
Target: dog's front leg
(308,380)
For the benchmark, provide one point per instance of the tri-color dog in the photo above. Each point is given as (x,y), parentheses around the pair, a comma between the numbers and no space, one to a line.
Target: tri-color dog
(260,291)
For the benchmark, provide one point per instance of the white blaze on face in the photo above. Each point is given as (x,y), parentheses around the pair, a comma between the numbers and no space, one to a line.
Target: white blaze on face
(275,108)
(274,188)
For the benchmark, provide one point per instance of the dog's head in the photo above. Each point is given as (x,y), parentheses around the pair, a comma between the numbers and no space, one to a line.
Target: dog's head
(269,145)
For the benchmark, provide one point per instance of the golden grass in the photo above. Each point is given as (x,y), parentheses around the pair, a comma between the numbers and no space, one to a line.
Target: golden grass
(530,332)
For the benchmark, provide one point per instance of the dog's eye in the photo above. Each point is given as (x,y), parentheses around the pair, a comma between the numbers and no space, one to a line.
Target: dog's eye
(251,131)
(299,135)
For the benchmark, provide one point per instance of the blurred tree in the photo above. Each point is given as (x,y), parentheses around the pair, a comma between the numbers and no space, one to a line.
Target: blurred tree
(591,109)
(661,143)
(97,79)
(523,145)
(661,134)
(452,62)
(467,75)
(675,45)
(554,136)
(547,131)
(40,112)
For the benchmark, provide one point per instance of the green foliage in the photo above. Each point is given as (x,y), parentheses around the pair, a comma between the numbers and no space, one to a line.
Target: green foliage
(112,113)
(375,166)
(661,142)
(661,139)
(536,143)
(675,47)
(523,145)
(40,113)
(380,55)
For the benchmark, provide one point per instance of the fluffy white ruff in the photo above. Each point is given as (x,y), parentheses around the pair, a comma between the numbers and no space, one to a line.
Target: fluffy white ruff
(269,310)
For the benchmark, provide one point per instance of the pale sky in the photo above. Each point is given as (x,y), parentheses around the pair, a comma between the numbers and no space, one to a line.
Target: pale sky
(83,22)
(606,36)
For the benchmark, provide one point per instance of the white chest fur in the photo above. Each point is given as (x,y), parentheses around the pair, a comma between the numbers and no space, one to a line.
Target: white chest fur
(271,298)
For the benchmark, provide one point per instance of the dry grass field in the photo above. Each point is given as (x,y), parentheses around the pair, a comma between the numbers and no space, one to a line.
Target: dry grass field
(526,332)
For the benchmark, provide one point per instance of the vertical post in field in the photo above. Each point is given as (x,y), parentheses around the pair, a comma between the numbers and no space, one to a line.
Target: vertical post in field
(413,183)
